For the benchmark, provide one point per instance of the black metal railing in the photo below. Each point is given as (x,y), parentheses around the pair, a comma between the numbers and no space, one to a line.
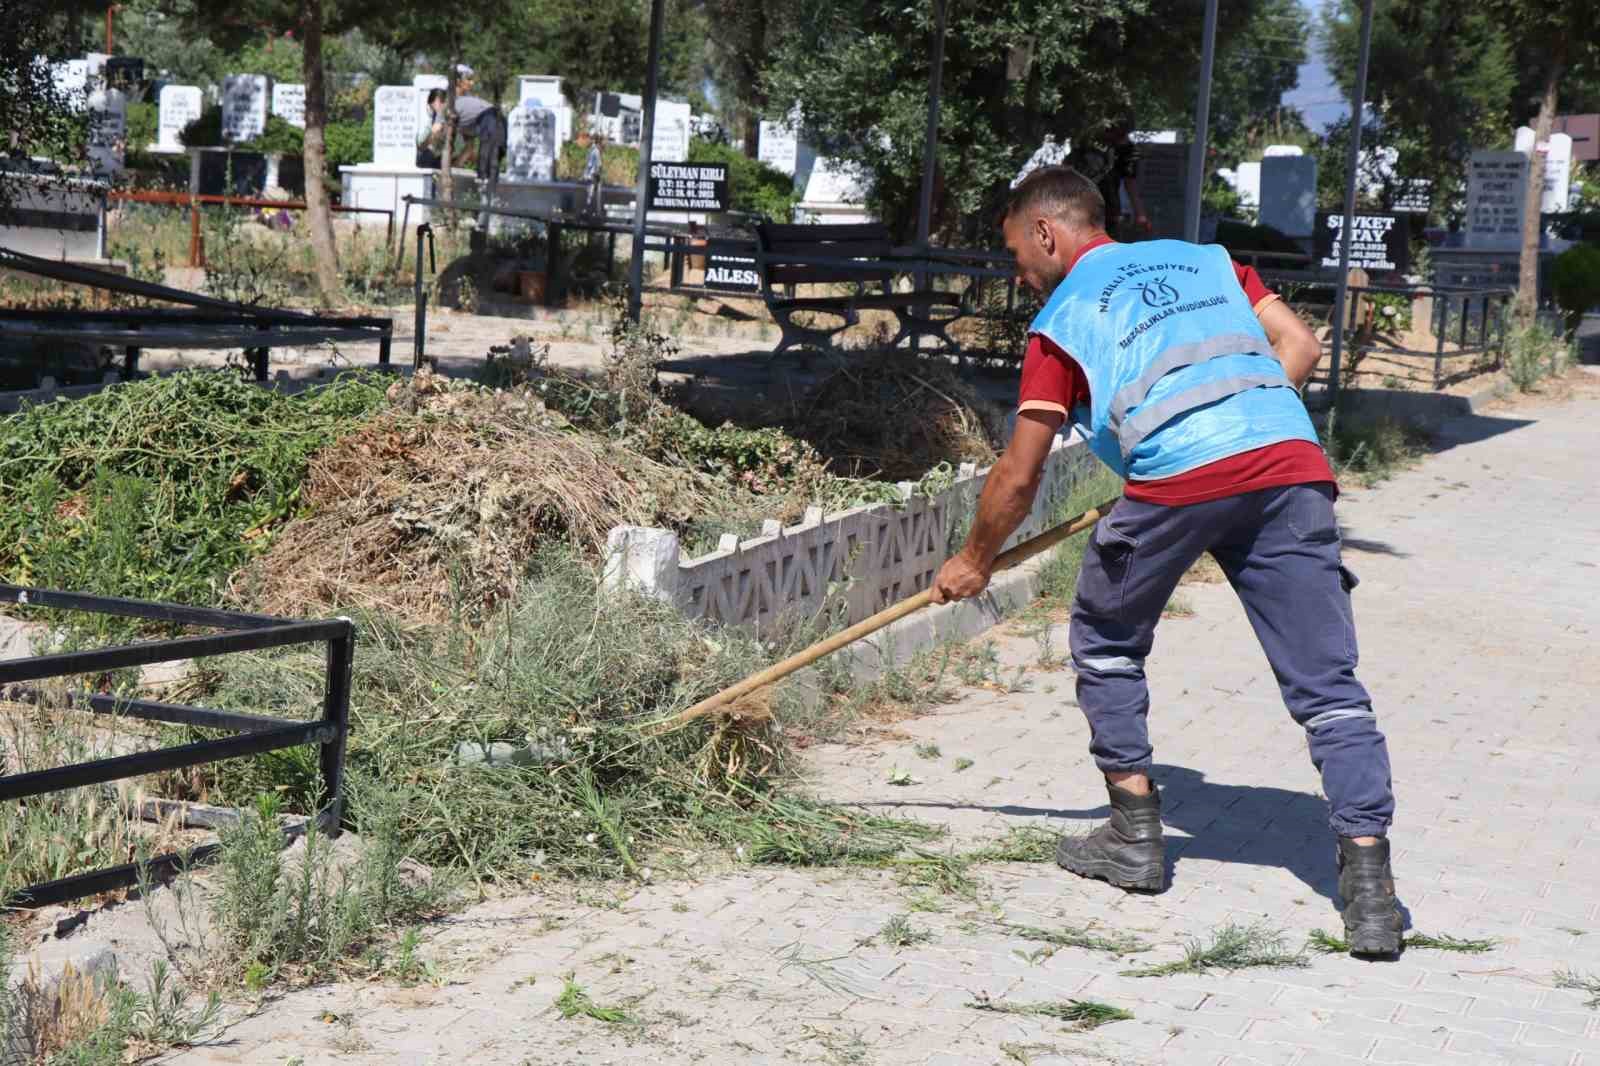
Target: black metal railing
(252,734)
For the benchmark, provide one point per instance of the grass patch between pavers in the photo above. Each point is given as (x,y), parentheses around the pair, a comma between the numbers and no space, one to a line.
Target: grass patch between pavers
(1076,937)
(1231,947)
(1082,1013)
(1328,944)
(899,932)
(1582,982)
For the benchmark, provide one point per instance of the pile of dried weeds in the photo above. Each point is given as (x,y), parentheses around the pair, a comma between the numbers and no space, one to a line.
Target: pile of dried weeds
(432,510)
(893,415)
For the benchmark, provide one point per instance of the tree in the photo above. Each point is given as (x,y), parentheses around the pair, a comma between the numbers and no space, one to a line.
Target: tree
(1015,70)
(1555,39)
(35,113)
(1439,80)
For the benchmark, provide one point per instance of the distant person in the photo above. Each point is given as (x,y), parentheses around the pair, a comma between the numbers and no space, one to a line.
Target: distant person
(1111,161)
(591,173)
(480,121)
(430,148)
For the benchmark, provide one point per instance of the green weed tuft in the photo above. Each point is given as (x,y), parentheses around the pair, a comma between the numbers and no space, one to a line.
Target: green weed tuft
(1077,937)
(574,1002)
(1232,947)
(1582,982)
(898,932)
(1371,452)
(1082,1013)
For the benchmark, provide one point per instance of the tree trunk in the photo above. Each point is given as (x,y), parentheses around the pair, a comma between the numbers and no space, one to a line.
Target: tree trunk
(1528,277)
(318,217)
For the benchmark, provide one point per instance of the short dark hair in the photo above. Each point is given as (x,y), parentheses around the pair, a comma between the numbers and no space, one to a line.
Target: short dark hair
(1058,192)
(436,94)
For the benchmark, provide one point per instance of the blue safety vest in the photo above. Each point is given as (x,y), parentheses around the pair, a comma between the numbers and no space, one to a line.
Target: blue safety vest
(1180,371)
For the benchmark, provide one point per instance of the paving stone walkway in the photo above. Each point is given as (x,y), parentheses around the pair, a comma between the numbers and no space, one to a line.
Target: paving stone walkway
(1479,612)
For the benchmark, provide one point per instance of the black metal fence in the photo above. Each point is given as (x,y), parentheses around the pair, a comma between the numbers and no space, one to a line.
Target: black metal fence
(251,734)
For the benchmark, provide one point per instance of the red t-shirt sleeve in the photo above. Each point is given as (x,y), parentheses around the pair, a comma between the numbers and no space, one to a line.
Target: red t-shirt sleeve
(1255,290)
(1051,379)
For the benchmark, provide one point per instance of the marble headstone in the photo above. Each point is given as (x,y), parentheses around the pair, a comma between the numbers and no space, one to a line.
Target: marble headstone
(289,103)
(394,126)
(1496,183)
(1289,194)
(530,143)
(244,106)
(779,147)
(108,130)
(671,141)
(177,106)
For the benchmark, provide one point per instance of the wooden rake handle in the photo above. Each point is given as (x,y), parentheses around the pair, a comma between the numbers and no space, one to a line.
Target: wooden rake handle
(911,604)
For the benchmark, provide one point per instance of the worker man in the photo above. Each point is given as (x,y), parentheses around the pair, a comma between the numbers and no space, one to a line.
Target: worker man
(1182,370)
(482,122)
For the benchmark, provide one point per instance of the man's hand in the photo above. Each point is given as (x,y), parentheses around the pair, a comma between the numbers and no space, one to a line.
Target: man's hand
(1142,221)
(959,579)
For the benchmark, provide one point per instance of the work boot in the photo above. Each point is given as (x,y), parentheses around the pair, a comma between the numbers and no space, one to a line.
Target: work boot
(1372,922)
(1128,850)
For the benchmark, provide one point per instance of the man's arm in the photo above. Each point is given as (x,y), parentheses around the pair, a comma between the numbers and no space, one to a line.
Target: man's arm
(1006,500)
(1298,348)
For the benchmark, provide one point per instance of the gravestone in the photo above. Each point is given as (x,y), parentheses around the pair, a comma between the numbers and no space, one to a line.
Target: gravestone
(671,141)
(424,84)
(244,106)
(1585,133)
(1163,170)
(1496,182)
(289,103)
(108,130)
(72,81)
(544,90)
(177,106)
(530,143)
(1381,243)
(394,126)
(1557,167)
(618,117)
(1289,194)
(1247,183)
(687,186)
(779,147)
(1276,151)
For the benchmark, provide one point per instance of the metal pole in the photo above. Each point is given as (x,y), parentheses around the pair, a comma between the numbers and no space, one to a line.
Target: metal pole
(930,145)
(647,134)
(1352,159)
(1202,123)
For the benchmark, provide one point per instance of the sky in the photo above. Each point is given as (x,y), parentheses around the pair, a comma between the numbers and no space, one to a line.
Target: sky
(1317,97)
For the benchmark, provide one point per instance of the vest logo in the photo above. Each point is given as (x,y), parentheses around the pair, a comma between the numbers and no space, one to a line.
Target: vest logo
(1157,293)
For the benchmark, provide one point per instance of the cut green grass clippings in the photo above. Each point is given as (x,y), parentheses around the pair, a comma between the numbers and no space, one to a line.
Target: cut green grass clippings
(160,489)
(927,750)
(575,1002)
(1328,944)
(1022,843)
(1084,1014)
(899,932)
(1076,937)
(1232,947)
(1581,982)
(963,763)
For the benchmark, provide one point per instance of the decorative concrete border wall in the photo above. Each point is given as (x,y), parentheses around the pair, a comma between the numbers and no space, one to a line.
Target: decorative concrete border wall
(858,561)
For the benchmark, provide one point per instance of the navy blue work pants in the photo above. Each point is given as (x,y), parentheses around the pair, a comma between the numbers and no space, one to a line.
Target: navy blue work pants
(1279,548)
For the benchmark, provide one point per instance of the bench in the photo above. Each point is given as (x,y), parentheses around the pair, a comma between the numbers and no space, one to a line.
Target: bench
(859,255)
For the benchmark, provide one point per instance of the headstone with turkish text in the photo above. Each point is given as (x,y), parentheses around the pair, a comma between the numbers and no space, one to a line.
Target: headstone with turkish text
(1380,243)
(244,106)
(687,187)
(1163,169)
(108,130)
(72,81)
(1557,174)
(176,107)
(731,267)
(1496,182)
(544,90)
(394,126)
(1289,194)
(289,103)
(671,141)
(779,147)
(530,143)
